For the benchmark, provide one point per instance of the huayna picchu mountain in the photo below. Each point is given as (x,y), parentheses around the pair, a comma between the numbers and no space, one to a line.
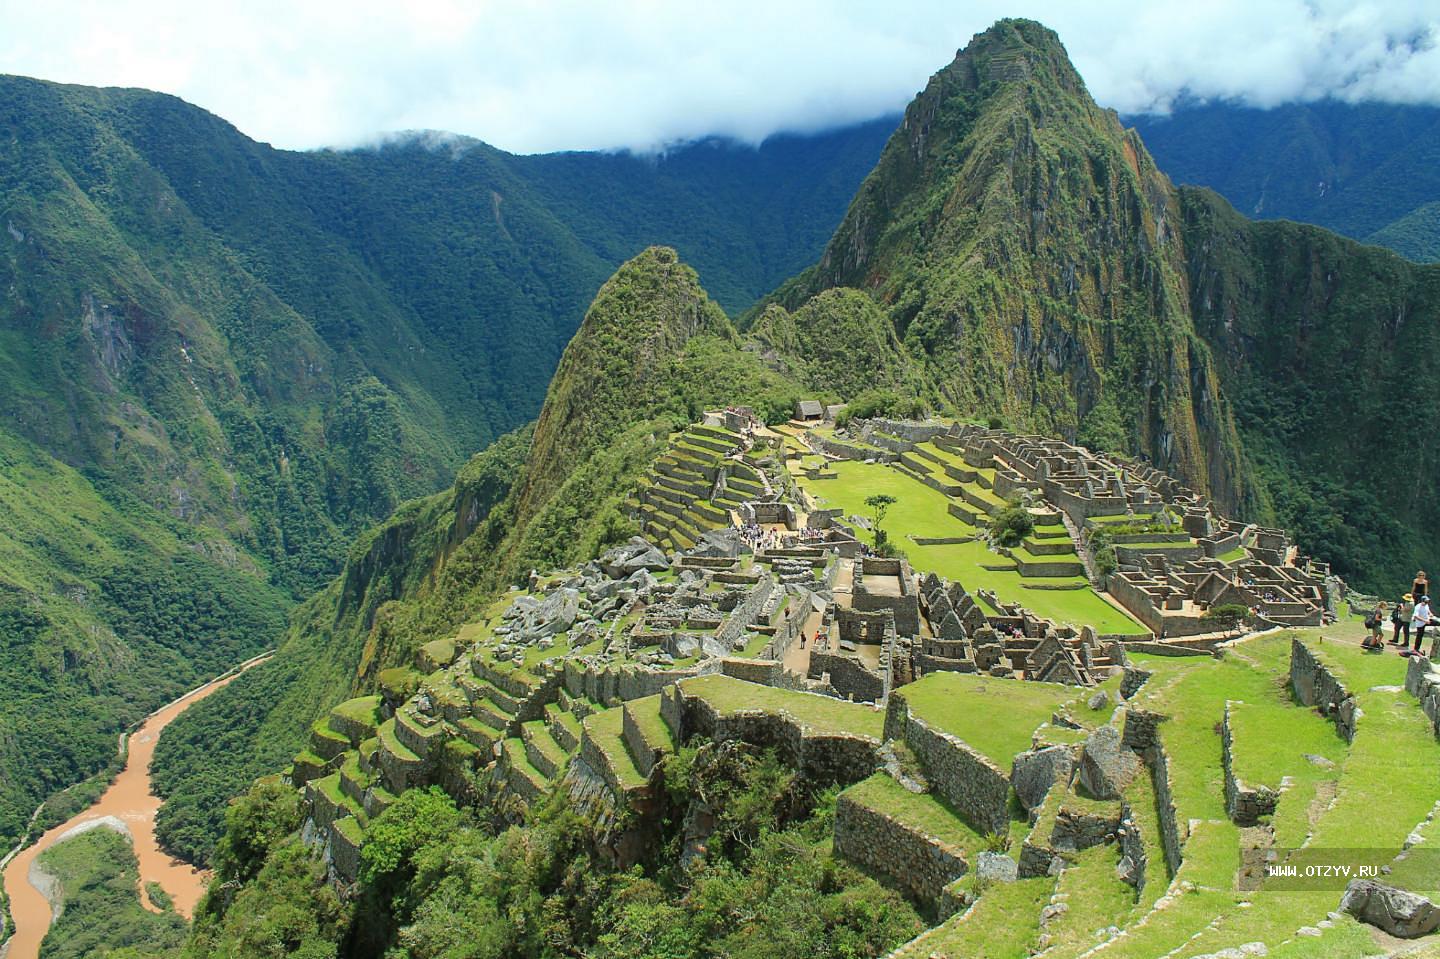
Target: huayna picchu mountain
(1035,264)
(471,705)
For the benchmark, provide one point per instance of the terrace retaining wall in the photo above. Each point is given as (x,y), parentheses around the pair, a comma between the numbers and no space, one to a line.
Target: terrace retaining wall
(1314,685)
(973,784)
(920,864)
(1244,804)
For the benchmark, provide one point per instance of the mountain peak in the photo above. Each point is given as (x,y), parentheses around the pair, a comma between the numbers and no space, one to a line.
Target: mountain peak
(641,319)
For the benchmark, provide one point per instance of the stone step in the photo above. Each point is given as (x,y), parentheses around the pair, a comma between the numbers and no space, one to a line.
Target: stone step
(542,750)
(325,742)
(477,733)
(647,736)
(400,767)
(564,726)
(521,776)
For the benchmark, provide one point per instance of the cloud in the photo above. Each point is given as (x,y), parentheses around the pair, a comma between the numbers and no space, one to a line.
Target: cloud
(535,76)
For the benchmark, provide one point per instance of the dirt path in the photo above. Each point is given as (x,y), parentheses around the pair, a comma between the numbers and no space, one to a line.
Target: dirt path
(128,801)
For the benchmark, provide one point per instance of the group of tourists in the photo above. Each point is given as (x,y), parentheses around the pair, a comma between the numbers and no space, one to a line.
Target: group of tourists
(758,537)
(1408,619)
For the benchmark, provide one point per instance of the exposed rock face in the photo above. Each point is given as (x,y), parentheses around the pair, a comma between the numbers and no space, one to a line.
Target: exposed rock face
(1107,767)
(996,867)
(1034,772)
(1399,913)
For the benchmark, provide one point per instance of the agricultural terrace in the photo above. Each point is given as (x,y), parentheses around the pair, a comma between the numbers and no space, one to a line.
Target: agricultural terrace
(923,512)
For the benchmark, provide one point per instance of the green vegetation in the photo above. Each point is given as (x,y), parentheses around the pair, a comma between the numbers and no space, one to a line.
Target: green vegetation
(99,881)
(437,882)
(921,511)
(1011,525)
(966,705)
(232,358)
(108,609)
(1226,616)
(1369,156)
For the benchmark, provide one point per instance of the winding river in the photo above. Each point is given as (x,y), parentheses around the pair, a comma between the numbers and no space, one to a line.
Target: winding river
(127,806)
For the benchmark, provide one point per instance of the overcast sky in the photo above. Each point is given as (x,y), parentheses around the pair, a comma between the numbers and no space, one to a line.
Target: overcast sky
(532,76)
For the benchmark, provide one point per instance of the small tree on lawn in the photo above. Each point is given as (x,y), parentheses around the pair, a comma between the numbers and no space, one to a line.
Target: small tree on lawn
(879,505)
(1011,525)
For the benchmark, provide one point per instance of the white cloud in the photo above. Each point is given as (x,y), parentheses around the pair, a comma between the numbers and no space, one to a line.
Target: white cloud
(530,76)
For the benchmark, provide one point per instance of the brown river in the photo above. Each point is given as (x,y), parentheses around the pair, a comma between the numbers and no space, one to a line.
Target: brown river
(127,802)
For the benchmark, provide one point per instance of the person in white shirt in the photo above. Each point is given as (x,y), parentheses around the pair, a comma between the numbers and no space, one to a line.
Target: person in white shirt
(1419,620)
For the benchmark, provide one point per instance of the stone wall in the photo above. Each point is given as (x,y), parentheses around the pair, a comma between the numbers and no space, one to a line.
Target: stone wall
(1131,682)
(344,854)
(1170,836)
(743,615)
(820,757)
(848,676)
(920,864)
(1314,685)
(974,785)
(789,629)
(1133,860)
(846,451)
(1245,804)
(1423,682)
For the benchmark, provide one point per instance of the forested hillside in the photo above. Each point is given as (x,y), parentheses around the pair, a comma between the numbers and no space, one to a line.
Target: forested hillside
(1366,170)
(221,362)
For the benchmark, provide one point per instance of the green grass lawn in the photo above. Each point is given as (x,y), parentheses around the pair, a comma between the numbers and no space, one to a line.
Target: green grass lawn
(921,511)
(822,713)
(1376,801)
(606,730)
(925,812)
(646,713)
(1002,925)
(995,716)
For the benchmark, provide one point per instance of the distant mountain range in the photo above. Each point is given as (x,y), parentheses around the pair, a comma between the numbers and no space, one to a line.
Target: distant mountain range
(1370,171)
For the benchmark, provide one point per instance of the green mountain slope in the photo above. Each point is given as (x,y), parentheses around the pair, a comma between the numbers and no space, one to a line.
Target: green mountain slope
(1415,236)
(1037,265)
(1025,248)
(652,352)
(234,359)
(1355,168)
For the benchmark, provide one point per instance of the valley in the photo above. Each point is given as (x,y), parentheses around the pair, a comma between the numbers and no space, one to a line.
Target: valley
(987,579)
(127,806)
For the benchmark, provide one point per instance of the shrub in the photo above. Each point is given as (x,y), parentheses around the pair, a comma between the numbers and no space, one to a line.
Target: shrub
(1227,615)
(1011,525)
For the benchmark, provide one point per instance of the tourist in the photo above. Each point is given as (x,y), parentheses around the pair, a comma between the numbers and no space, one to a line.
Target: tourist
(1375,624)
(1400,620)
(1418,621)
(1421,586)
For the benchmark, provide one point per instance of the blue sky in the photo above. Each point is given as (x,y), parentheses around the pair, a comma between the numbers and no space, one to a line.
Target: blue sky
(535,76)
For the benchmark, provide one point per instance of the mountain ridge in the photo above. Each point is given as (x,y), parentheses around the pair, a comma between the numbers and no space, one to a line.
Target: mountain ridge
(278,350)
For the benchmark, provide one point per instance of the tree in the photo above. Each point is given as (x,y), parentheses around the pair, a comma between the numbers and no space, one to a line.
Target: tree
(1226,616)
(879,505)
(1011,525)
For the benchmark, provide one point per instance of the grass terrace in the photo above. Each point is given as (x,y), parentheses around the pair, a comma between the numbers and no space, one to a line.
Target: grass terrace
(821,713)
(925,812)
(997,717)
(922,511)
